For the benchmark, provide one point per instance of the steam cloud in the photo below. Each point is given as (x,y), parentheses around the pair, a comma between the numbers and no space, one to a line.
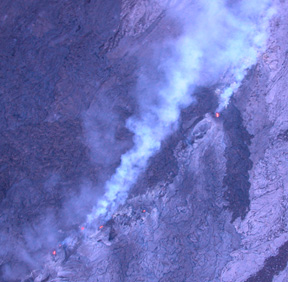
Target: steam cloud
(222,38)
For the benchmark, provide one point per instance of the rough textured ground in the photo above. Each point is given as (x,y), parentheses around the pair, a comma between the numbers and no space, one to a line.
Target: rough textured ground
(212,204)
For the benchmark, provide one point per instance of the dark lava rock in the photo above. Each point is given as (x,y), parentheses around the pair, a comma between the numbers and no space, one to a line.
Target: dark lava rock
(272,266)
(238,163)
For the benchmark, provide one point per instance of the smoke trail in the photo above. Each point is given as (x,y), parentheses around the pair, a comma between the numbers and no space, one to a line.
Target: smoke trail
(150,129)
(220,37)
(252,32)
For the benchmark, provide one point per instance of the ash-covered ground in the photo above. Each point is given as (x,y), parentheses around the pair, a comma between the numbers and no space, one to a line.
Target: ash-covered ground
(207,202)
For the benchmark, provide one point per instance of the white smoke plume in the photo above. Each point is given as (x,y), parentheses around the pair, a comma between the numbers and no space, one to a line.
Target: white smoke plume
(221,37)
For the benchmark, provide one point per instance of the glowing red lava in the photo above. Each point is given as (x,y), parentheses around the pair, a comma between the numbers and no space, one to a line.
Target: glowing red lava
(100,227)
(82,228)
(54,253)
(217,115)
(143,210)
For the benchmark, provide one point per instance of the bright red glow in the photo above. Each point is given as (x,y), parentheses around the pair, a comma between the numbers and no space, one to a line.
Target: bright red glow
(217,115)
(54,253)
(143,210)
(82,228)
(100,227)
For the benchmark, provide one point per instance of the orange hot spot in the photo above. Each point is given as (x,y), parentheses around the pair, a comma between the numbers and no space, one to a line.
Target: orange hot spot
(82,228)
(100,227)
(217,115)
(143,210)
(54,253)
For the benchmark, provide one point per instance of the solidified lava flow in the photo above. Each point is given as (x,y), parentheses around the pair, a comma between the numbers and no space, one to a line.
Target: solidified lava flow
(143,141)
